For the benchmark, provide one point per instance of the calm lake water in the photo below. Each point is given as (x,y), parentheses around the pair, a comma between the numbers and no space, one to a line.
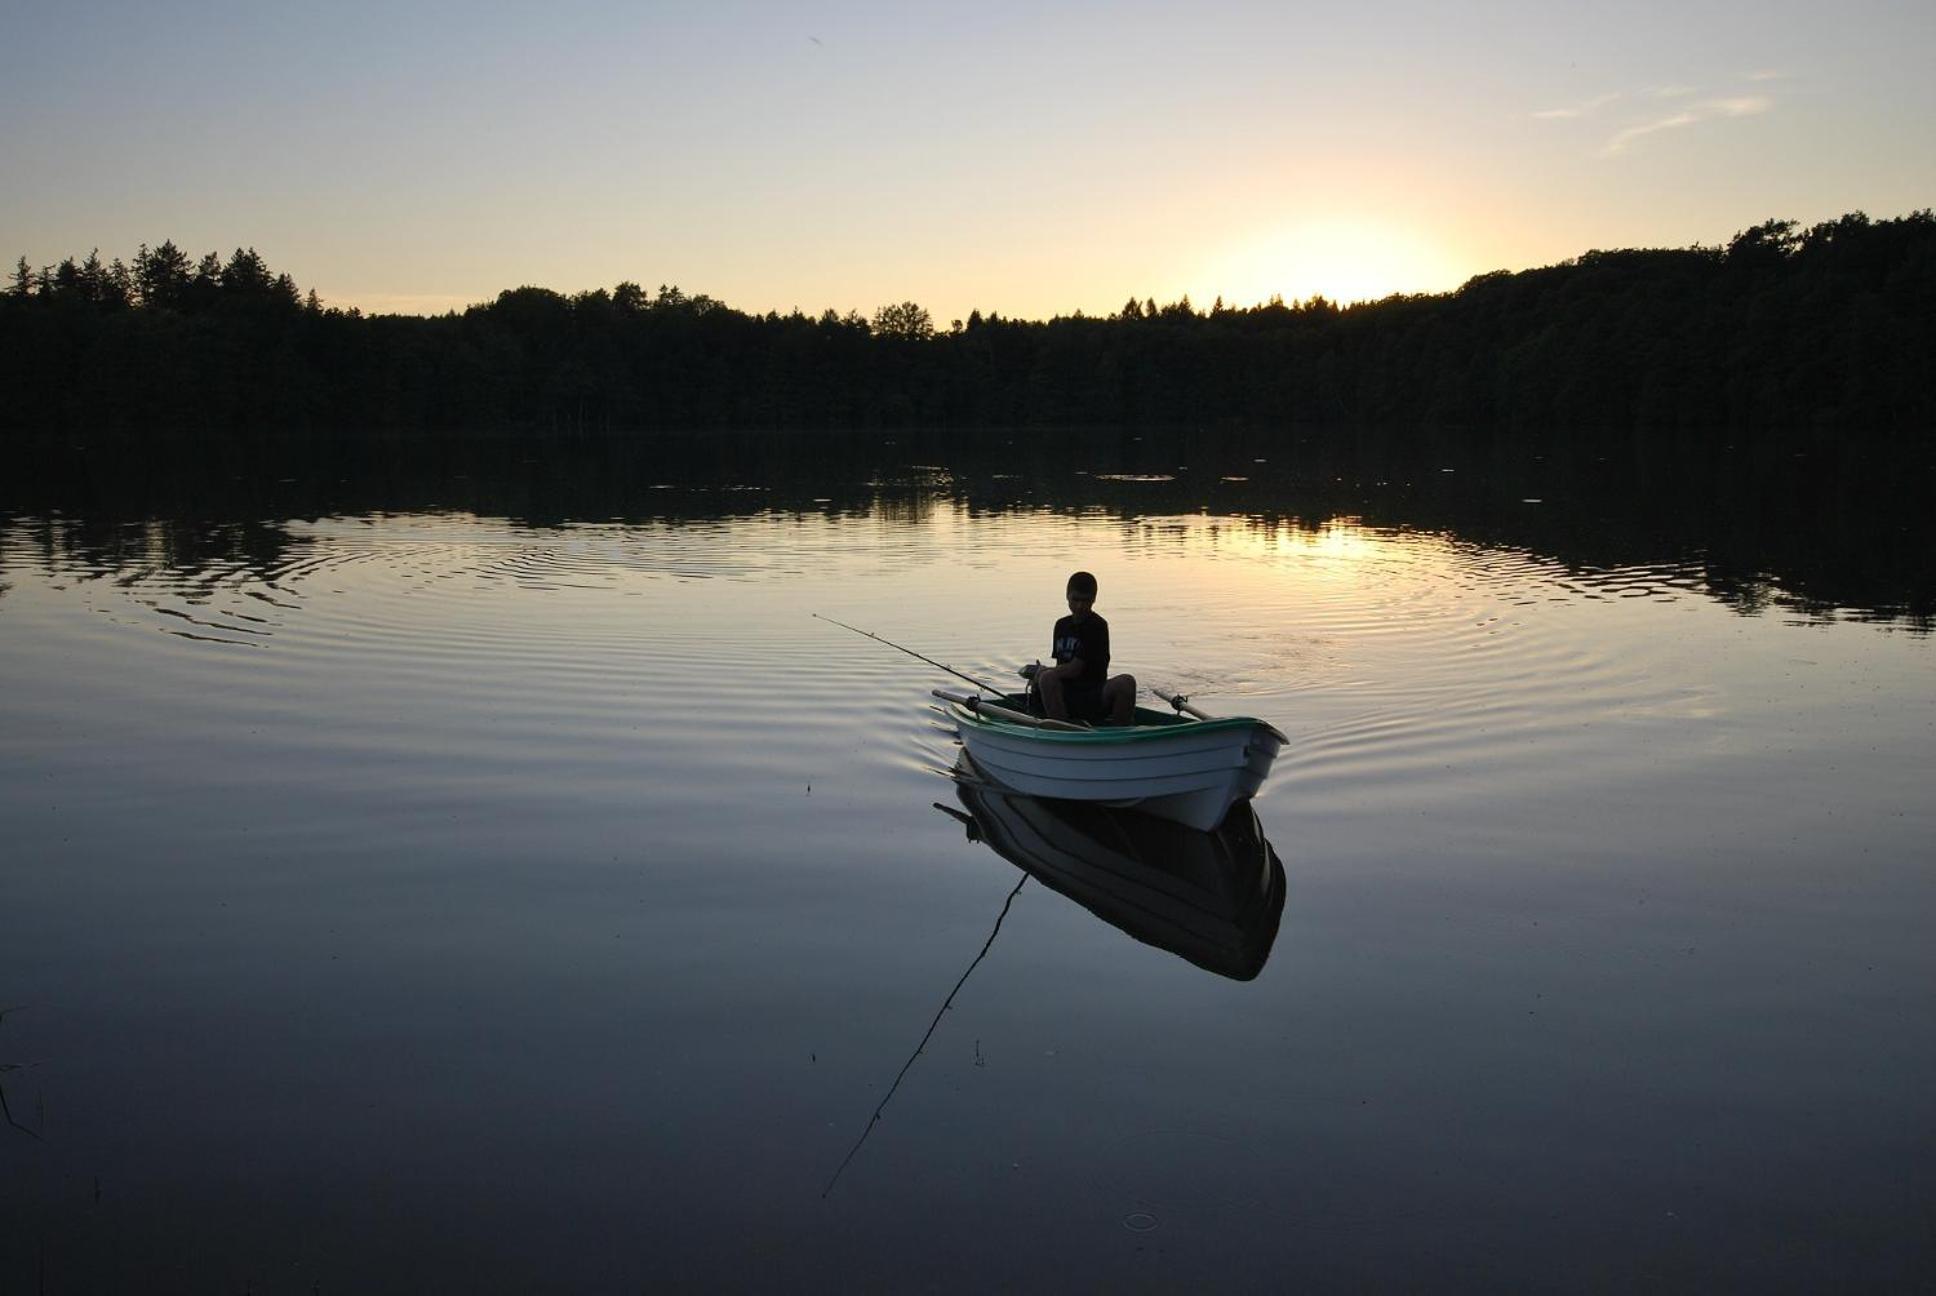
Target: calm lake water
(486,874)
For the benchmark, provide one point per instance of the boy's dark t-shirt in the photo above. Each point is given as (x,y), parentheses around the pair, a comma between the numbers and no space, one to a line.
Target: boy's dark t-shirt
(1085,640)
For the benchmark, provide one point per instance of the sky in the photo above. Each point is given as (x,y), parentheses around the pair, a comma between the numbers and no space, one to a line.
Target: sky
(1032,159)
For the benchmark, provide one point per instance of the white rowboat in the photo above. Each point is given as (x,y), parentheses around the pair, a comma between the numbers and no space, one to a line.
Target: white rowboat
(1190,770)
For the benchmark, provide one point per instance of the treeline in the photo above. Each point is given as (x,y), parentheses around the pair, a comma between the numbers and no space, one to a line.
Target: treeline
(1784,334)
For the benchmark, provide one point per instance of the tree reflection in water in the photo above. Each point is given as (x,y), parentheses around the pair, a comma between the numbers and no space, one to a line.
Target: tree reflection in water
(1821,537)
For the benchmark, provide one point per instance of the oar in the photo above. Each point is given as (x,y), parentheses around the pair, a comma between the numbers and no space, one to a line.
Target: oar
(1182,704)
(983,707)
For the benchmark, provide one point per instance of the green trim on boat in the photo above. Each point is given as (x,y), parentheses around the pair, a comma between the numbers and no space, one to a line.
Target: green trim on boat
(1150,725)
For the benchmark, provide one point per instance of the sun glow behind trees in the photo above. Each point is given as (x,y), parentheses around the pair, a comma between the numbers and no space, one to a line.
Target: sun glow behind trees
(1342,259)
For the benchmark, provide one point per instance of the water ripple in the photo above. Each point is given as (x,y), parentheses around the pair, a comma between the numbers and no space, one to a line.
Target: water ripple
(1396,658)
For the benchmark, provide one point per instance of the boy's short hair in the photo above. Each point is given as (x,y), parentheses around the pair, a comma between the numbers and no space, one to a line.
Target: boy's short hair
(1083,583)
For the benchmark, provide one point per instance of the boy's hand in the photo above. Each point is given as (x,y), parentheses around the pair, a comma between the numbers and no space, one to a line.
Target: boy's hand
(1031,670)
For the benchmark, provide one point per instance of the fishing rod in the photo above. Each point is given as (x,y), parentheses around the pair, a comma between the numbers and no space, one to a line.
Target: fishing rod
(980,684)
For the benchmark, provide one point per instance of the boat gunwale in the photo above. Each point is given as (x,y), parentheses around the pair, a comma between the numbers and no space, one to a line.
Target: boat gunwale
(1112,734)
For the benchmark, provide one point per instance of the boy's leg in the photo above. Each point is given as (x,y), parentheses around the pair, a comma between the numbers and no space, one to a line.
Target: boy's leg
(1049,686)
(1119,698)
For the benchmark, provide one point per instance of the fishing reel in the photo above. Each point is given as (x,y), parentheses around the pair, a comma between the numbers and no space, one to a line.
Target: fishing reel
(1033,694)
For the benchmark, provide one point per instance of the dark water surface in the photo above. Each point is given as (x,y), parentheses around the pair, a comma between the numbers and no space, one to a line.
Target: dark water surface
(479,871)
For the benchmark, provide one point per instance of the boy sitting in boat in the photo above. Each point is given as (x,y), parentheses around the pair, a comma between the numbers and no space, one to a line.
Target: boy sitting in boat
(1079,686)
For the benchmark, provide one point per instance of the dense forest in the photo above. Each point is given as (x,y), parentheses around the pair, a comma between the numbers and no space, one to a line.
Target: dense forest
(1797,336)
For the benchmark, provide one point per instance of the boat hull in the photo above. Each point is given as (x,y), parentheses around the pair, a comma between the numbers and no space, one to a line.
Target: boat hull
(1190,772)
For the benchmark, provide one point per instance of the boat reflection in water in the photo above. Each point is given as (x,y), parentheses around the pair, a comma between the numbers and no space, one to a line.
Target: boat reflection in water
(1214,898)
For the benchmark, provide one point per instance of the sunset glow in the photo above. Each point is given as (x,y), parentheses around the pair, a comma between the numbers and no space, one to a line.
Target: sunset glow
(1033,161)
(1344,260)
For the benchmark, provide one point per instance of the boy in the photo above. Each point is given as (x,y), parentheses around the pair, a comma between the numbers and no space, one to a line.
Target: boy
(1078,686)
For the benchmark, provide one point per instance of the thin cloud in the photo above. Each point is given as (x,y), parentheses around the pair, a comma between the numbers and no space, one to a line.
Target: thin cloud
(1740,106)
(1620,142)
(1672,92)
(1705,110)
(1578,110)
(1767,74)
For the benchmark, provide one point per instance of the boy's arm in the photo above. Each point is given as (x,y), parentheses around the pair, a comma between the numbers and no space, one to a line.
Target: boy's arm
(1068,670)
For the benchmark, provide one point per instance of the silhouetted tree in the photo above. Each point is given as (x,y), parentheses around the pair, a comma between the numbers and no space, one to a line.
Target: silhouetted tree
(160,275)
(906,321)
(1765,244)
